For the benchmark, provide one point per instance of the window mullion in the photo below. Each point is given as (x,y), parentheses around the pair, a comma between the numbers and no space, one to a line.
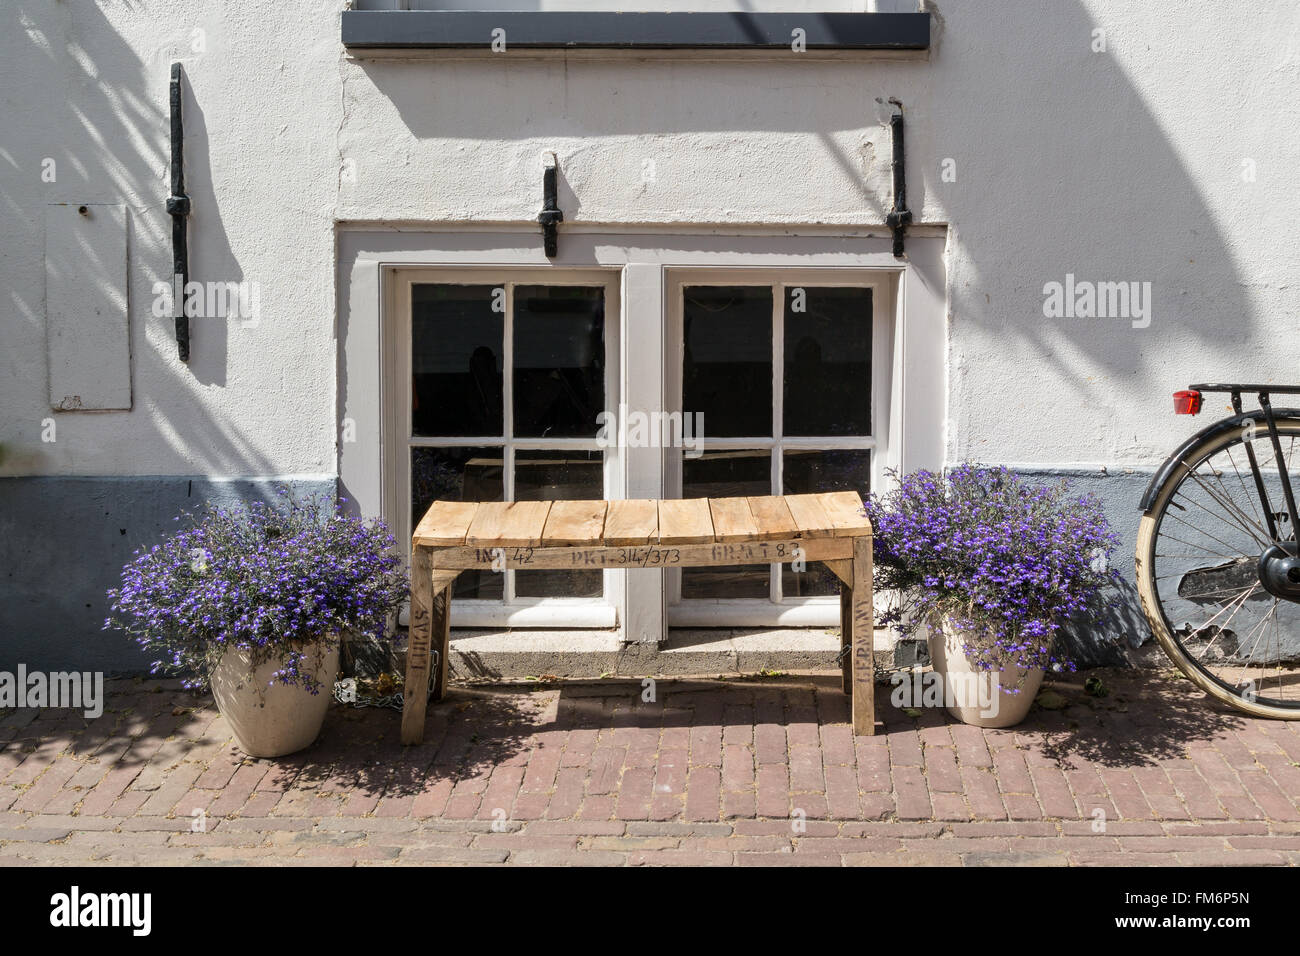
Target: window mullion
(508,423)
(508,381)
(778,414)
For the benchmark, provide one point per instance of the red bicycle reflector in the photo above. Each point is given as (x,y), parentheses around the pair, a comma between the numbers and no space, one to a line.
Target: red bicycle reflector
(1187,402)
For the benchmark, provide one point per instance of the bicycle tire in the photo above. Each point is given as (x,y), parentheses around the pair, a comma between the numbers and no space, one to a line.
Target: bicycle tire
(1148,587)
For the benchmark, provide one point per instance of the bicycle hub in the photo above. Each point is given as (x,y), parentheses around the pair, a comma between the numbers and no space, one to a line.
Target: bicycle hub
(1279,571)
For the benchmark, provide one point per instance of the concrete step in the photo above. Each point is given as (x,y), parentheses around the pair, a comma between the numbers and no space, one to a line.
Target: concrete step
(517,655)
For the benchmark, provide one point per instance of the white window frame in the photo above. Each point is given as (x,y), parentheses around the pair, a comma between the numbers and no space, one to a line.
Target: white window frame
(778,610)
(514,610)
(370,253)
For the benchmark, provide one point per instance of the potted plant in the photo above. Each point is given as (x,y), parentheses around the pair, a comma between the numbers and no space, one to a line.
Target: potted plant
(252,600)
(992,565)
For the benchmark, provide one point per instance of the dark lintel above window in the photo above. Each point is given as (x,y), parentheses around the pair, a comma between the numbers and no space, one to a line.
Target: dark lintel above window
(564,30)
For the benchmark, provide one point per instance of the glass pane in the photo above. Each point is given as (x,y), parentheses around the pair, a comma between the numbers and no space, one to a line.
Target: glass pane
(459,474)
(557,476)
(456,354)
(827,361)
(727,474)
(727,363)
(559,355)
(808,472)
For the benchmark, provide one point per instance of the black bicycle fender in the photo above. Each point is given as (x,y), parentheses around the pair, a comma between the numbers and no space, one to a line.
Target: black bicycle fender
(1235,423)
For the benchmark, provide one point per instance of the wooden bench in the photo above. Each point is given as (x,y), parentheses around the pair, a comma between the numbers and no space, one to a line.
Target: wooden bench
(456,536)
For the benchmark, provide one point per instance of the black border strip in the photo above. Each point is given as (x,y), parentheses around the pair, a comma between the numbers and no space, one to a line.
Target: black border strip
(562,30)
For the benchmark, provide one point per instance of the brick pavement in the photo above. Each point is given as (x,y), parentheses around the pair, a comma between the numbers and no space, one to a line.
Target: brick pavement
(746,772)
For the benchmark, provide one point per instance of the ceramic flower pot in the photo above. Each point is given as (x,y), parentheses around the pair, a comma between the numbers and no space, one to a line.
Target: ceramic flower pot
(279,719)
(974,696)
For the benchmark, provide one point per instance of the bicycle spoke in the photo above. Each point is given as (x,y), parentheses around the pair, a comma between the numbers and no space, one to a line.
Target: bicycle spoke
(1224,496)
(1197,557)
(1262,627)
(1235,554)
(1246,492)
(1216,554)
(1263,535)
(1202,594)
(1277,643)
(1214,514)
(1230,605)
(1262,538)
(1223,628)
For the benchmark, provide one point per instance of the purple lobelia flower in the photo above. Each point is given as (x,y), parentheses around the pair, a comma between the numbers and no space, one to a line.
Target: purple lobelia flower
(1004,561)
(259,578)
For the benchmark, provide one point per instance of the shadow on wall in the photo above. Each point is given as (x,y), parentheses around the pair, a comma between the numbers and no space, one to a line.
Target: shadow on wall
(91,103)
(1064,169)
(104,120)
(63,542)
(1103,196)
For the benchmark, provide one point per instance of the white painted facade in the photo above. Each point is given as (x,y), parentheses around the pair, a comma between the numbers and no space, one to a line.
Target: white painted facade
(1033,154)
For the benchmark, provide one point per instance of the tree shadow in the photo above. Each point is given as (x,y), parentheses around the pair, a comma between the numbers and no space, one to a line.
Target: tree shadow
(466,736)
(1063,164)
(1106,641)
(96,102)
(358,759)
(1145,718)
(475,729)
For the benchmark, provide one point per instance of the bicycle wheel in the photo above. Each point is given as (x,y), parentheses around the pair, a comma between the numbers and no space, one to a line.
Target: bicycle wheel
(1198,559)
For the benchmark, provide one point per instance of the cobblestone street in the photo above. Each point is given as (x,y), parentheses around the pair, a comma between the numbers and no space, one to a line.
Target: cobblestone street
(748,772)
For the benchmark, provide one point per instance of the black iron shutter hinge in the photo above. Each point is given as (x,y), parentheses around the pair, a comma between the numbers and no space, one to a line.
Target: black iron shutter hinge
(178,207)
(551,214)
(898,217)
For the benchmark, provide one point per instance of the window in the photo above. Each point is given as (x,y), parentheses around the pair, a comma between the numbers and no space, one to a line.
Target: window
(503,379)
(472,370)
(786,377)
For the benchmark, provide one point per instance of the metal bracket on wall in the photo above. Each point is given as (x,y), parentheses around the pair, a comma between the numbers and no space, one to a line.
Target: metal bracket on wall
(900,215)
(178,207)
(551,214)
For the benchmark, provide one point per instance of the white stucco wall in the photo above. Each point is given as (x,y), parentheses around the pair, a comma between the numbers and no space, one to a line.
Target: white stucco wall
(1122,165)
(86,84)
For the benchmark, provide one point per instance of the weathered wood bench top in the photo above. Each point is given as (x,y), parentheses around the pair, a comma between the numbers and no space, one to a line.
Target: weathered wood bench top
(454,536)
(613,524)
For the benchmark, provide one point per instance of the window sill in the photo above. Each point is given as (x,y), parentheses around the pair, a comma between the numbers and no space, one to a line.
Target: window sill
(576,614)
(824,612)
(563,30)
(592,613)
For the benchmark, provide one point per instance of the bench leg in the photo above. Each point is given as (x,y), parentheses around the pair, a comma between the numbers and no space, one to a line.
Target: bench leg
(863,627)
(846,638)
(415,692)
(441,634)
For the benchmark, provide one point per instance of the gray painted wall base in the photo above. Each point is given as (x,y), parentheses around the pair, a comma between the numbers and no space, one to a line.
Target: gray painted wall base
(1111,641)
(63,542)
(522,655)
